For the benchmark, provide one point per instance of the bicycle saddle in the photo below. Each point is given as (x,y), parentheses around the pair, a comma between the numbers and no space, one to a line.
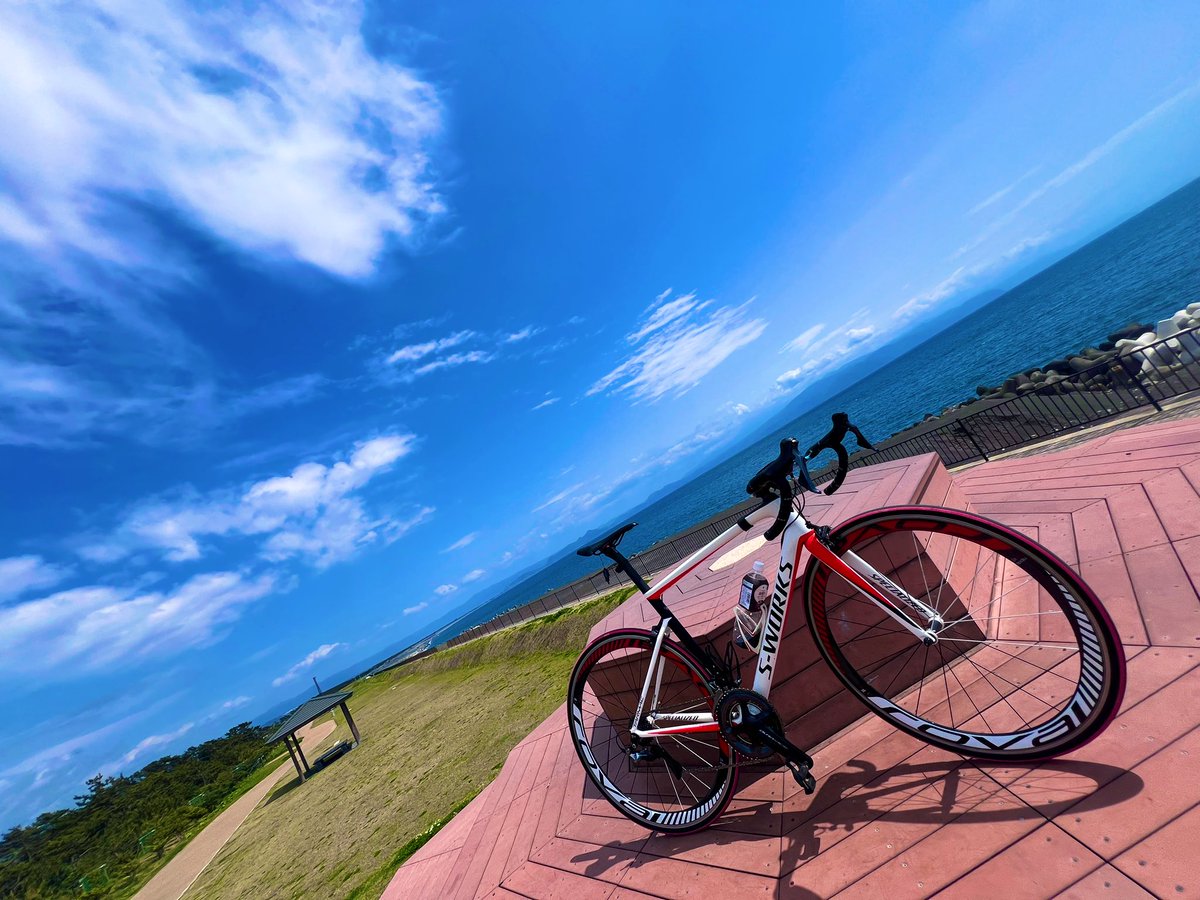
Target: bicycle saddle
(607,543)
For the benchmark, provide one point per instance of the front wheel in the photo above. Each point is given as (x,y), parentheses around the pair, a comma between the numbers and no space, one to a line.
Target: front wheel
(677,783)
(1028,664)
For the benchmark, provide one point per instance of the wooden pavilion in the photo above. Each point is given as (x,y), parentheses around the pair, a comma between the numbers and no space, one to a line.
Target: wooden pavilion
(301,716)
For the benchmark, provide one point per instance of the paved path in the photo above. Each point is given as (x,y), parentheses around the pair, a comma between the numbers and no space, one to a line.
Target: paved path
(173,879)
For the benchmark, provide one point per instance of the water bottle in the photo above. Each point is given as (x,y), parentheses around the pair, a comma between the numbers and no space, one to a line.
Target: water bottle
(755,589)
(752,601)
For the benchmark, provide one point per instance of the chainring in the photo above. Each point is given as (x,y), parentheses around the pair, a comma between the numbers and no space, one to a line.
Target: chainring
(740,713)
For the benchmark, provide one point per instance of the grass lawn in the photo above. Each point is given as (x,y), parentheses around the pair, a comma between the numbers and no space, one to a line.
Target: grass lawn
(435,733)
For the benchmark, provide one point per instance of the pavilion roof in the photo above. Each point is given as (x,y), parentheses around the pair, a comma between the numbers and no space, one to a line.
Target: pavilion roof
(307,711)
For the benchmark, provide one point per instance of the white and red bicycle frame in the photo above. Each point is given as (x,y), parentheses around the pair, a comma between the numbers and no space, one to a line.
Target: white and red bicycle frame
(798,535)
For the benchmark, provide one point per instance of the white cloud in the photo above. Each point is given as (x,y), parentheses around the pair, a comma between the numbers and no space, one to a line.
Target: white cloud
(307,663)
(1081,165)
(235,703)
(739,409)
(95,627)
(149,743)
(999,195)
(473,575)
(272,126)
(964,276)
(19,574)
(679,342)
(411,610)
(313,512)
(443,590)
(831,351)
(465,541)
(451,361)
(269,128)
(413,352)
(549,401)
(805,338)
(559,497)
(524,334)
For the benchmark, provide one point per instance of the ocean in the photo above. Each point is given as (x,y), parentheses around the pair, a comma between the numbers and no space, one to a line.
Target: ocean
(1145,269)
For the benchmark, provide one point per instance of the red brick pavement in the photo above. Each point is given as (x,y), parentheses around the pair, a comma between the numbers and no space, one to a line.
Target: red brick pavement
(891,816)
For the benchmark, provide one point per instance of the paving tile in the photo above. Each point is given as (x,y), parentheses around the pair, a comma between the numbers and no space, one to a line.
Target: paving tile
(1109,578)
(1139,731)
(1106,883)
(1165,594)
(1175,502)
(1095,534)
(753,853)
(544,883)
(603,863)
(1166,862)
(673,878)
(1038,866)
(992,818)
(1136,521)
(1137,803)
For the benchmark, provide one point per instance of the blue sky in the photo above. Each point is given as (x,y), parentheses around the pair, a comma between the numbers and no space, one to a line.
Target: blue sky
(315,322)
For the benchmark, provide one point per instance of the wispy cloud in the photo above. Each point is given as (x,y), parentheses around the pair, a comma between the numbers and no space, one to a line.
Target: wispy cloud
(148,744)
(235,703)
(1085,162)
(549,401)
(413,352)
(249,120)
(416,360)
(679,342)
(314,512)
(307,663)
(465,541)
(97,627)
(247,125)
(965,276)
(805,338)
(443,590)
(473,575)
(833,349)
(19,574)
(412,610)
(999,195)
(523,334)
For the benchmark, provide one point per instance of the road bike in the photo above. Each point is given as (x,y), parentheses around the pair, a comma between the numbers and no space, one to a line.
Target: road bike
(955,629)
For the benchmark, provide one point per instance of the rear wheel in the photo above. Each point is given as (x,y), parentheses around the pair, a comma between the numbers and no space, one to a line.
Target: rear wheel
(676,783)
(1028,664)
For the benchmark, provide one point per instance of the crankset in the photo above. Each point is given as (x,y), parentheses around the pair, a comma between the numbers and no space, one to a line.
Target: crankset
(753,729)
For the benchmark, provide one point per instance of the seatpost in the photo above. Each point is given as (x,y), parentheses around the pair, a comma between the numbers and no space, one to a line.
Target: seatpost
(627,567)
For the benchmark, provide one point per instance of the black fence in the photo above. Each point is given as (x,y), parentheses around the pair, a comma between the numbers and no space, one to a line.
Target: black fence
(1145,377)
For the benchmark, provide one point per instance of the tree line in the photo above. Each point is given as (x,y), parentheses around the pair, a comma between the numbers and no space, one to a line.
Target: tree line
(122,828)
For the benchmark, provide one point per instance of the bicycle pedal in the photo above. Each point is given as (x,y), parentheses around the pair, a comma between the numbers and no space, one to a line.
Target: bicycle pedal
(803,777)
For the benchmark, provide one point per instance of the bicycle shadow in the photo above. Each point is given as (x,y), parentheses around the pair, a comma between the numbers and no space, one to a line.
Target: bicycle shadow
(943,793)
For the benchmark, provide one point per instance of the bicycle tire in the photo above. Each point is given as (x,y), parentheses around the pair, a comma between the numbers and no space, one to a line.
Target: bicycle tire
(1050,600)
(597,708)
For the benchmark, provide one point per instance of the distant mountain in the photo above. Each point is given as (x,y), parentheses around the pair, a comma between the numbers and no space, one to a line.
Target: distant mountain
(827,386)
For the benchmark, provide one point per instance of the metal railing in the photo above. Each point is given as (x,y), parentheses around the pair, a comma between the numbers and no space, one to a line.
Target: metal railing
(1144,377)
(1148,376)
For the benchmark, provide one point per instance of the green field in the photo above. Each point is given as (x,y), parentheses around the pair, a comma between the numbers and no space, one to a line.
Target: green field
(435,733)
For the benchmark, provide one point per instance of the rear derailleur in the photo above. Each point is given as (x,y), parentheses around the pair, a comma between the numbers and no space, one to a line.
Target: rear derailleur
(752,727)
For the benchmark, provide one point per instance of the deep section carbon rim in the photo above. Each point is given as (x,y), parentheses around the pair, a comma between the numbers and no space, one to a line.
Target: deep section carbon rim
(1028,664)
(675,783)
